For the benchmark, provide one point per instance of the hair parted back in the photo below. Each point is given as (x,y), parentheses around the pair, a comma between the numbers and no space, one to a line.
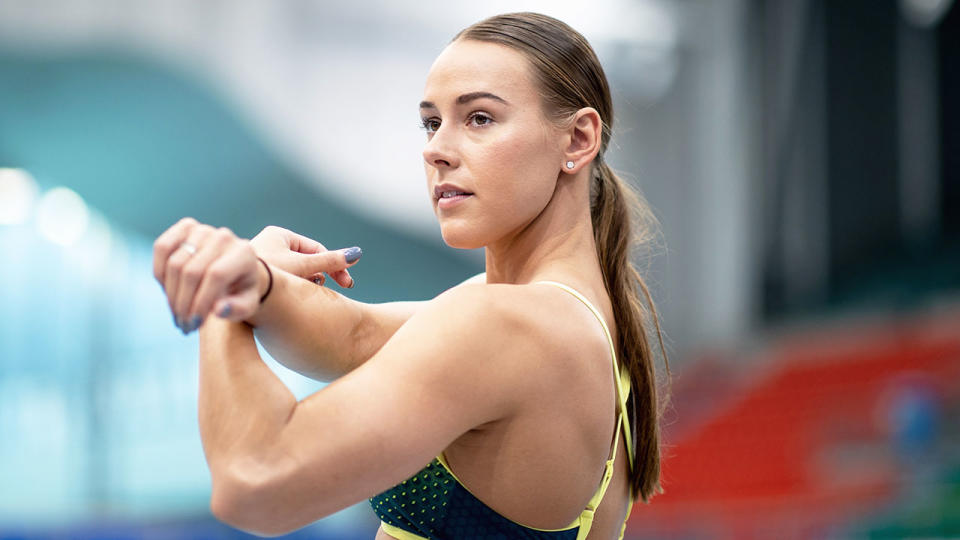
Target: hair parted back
(570,78)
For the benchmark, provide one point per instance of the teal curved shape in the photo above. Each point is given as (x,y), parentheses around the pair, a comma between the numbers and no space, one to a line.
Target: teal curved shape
(147,144)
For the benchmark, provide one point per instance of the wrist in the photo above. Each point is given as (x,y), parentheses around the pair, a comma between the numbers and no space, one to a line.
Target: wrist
(264,279)
(216,328)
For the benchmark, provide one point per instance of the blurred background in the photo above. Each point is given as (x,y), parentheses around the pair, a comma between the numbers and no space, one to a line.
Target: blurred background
(803,157)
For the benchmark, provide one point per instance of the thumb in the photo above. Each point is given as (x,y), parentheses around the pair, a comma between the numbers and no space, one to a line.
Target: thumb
(237,307)
(329,262)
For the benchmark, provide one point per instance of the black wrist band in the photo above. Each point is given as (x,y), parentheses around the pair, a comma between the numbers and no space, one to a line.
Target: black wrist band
(270,283)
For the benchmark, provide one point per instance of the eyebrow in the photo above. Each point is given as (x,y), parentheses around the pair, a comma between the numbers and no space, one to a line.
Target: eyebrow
(467,98)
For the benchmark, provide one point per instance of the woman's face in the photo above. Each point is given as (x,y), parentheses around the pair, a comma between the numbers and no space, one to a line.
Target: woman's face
(487,135)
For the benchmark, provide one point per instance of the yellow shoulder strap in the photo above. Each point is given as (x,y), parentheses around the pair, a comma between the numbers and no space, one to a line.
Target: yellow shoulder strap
(622,382)
(622,385)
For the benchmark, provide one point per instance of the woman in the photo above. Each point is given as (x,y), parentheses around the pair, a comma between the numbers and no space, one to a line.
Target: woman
(495,410)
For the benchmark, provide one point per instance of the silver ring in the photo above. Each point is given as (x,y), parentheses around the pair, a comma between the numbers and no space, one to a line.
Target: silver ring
(188,247)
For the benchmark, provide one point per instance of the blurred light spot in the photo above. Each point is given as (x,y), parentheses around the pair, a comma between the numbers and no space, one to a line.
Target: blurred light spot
(92,252)
(18,192)
(62,216)
(924,13)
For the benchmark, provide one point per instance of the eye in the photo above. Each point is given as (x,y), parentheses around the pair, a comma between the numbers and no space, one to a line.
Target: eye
(480,119)
(430,125)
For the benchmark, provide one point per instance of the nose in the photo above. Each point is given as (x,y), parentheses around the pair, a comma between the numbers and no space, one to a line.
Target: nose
(439,151)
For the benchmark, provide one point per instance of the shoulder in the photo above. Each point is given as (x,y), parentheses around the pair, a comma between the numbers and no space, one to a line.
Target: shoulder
(488,323)
(517,309)
(519,325)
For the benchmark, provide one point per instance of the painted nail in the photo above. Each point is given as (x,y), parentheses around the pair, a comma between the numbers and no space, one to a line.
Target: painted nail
(176,322)
(352,254)
(194,323)
(353,282)
(225,310)
(319,281)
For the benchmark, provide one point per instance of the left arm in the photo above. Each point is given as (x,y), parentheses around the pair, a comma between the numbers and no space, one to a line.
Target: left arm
(278,465)
(242,405)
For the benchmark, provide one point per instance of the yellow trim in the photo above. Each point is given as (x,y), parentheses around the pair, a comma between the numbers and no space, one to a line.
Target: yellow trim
(622,382)
(623,528)
(443,461)
(398,533)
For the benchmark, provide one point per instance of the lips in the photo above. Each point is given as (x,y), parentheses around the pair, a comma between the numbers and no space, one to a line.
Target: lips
(448,190)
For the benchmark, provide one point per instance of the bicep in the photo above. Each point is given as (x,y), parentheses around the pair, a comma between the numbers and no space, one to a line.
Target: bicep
(437,378)
(381,321)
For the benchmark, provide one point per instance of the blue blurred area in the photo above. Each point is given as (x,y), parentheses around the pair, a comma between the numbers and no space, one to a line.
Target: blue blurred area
(97,388)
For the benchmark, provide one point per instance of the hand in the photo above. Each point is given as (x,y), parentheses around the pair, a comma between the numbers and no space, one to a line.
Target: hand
(304,257)
(204,270)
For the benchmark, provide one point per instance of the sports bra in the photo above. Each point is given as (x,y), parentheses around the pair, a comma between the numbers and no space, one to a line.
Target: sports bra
(434,504)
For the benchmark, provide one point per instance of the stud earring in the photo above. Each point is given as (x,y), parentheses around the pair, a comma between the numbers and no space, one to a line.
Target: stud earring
(570,164)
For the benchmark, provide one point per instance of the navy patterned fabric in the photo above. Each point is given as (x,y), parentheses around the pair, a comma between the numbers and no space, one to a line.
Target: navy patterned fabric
(434,505)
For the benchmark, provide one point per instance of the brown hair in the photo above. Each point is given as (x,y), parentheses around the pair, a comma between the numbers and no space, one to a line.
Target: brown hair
(570,78)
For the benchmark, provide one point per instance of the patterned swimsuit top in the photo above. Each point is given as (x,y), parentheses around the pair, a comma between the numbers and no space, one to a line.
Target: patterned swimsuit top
(434,504)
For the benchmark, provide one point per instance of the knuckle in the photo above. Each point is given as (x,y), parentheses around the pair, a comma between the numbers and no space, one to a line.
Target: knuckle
(218,272)
(192,273)
(175,266)
(161,245)
(222,235)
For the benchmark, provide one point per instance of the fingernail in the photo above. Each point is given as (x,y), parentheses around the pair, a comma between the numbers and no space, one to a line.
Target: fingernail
(176,322)
(318,281)
(225,310)
(194,323)
(352,254)
(352,282)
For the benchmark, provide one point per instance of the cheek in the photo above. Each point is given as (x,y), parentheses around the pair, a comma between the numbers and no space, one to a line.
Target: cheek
(518,171)
(515,173)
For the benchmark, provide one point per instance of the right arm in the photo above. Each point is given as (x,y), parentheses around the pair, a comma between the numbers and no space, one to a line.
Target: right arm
(306,327)
(321,333)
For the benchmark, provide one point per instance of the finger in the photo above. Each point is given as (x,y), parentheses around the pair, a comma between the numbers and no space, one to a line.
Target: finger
(167,243)
(237,307)
(228,278)
(302,244)
(343,278)
(175,267)
(241,298)
(329,262)
(215,243)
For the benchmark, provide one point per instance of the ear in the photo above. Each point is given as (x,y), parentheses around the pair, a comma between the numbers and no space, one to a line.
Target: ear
(584,136)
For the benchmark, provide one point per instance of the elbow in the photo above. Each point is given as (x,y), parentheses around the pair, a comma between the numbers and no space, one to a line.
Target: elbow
(241,498)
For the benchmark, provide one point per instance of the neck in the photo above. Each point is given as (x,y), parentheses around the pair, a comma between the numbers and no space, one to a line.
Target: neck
(558,244)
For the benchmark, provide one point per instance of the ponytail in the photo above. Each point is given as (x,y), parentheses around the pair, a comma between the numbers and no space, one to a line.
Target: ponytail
(615,210)
(570,77)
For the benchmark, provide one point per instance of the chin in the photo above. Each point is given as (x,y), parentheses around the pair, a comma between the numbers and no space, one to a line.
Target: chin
(462,236)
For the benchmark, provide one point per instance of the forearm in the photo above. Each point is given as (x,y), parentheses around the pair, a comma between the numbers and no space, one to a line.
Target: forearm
(242,405)
(319,332)
(308,328)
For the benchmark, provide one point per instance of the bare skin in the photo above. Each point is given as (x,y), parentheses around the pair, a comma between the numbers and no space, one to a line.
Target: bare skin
(510,379)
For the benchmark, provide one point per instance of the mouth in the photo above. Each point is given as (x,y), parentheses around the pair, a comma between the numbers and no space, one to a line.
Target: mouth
(451,194)
(449,199)
(448,190)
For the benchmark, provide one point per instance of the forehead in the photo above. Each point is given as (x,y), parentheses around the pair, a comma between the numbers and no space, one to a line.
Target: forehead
(468,66)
